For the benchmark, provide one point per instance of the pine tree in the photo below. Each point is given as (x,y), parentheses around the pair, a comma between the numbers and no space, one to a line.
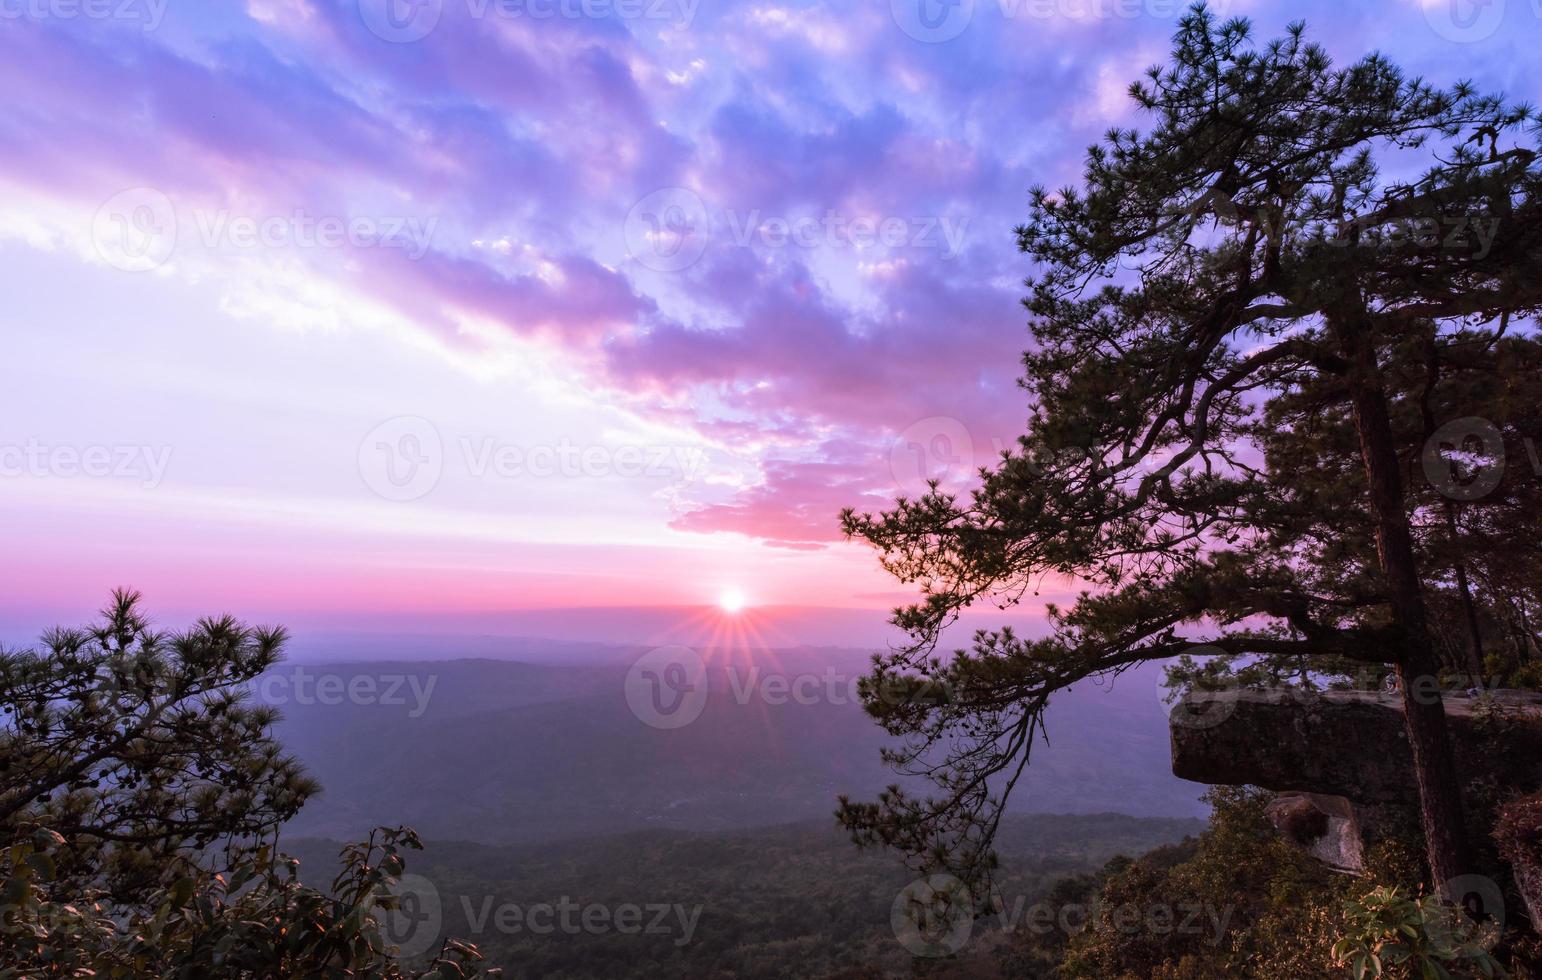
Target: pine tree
(1286,238)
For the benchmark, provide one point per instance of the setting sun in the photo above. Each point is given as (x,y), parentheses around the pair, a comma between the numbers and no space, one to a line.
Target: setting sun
(732,600)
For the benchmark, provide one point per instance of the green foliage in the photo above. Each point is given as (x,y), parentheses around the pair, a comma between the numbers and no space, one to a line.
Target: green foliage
(140,798)
(1479,584)
(1390,934)
(138,746)
(1261,902)
(259,922)
(1283,913)
(1513,672)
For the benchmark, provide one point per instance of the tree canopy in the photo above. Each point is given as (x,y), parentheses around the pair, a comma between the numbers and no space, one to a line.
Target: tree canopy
(1246,324)
(137,744)
(141,794)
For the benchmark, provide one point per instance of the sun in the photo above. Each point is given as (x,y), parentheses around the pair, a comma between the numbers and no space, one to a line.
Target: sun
(731,600)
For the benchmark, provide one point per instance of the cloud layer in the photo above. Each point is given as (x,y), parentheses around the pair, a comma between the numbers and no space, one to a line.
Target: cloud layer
(784,225)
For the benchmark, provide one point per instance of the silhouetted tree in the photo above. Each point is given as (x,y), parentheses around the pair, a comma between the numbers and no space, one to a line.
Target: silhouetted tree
(141,794)
(1280,234)
(256,922)
(1475,516)
(139,745)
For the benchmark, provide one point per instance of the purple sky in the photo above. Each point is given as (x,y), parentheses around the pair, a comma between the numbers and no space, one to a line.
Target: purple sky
(431,306)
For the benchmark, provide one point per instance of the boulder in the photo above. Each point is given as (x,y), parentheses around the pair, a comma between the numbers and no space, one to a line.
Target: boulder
(1329,828)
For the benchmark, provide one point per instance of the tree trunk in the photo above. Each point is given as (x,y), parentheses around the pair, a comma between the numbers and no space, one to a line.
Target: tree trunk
(1440,794)
(1525,635)
(1475,632)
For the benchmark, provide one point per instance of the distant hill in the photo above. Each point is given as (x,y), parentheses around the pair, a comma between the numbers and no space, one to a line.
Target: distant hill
(504,752)
(786,901)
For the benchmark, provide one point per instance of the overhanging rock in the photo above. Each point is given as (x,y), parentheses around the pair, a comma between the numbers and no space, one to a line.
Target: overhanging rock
(1348,743)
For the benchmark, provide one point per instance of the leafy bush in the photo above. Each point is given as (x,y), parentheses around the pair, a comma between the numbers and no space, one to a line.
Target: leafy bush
(259,922)
(1389,934)
(1246,903)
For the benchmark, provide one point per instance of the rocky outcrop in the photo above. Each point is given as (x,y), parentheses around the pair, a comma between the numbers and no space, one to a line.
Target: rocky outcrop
(1347,744)
(1519,834)
(1340,761)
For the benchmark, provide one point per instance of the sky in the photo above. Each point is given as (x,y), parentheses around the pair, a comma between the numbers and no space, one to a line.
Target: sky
(353,311)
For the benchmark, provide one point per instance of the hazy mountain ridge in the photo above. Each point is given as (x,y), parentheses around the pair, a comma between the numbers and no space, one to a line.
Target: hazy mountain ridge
(535,751)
